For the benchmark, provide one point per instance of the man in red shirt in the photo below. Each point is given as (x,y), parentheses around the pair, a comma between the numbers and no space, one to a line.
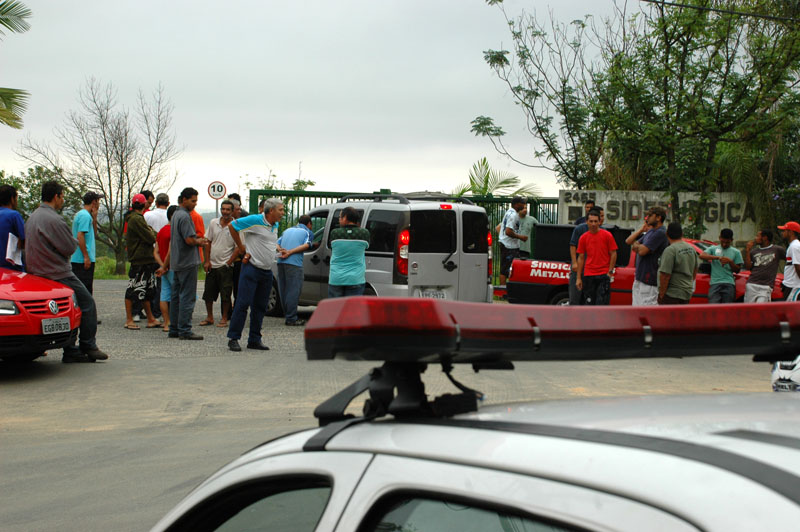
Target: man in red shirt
(598,255)
(160,253)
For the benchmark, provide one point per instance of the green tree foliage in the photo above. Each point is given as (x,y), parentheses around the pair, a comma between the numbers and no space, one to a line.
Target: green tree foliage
(485,181)
(660,97)
(29,190)
(13,102)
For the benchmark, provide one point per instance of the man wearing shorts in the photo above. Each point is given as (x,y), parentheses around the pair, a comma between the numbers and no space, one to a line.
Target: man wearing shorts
(140,239)
(221,252)
(791,272)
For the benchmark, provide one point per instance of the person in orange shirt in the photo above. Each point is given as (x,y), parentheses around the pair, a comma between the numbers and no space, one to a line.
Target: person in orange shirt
(199,228)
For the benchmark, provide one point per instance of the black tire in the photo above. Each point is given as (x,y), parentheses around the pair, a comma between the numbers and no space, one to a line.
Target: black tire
(560,299)
(369,291)
(274,305)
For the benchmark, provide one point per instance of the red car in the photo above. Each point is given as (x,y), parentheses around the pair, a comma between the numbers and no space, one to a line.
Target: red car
(36,314)
(540,282)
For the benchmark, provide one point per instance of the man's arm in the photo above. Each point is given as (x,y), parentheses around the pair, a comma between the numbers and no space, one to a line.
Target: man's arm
(612,262)
(633,237)
(299,249)
(510,232)
(663,284)
(573,254)
(579,272)
(239,244)
(87,262)
(748,260)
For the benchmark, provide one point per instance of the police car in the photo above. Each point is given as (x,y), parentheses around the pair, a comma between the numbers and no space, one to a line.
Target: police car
(415,463)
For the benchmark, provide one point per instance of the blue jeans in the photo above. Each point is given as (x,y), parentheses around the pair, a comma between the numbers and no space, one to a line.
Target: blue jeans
(345,290)
(722,293)
(290,283)
(181,306)
(254,287)
(88,328)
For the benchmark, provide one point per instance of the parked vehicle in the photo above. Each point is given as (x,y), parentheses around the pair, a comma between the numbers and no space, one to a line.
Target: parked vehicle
(36,314)
(544,279)
(717,462)
(420,246)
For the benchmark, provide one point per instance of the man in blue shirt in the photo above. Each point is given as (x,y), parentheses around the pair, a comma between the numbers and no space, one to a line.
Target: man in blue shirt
(293,243)
(11,223)
(83,229)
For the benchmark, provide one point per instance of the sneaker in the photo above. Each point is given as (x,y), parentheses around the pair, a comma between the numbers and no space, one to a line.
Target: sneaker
(191,336)
(233,345)
(257,345)
(296,323)
(95,354)
(137,318)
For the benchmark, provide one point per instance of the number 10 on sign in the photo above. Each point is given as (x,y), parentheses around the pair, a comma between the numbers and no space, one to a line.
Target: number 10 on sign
(217,191)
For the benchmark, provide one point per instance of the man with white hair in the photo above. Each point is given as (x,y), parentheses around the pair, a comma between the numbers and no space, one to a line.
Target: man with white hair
(255,282)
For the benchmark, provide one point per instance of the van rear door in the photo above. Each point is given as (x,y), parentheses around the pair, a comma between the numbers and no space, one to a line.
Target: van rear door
(473,271)
(433,258)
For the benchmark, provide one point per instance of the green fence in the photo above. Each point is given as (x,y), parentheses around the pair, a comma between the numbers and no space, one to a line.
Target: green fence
(298,202)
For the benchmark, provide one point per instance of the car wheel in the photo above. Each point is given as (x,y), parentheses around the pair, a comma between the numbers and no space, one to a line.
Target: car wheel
(369,291)
(560,299)
(274,306)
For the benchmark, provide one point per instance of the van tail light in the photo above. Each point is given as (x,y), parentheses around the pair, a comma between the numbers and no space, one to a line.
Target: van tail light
(489,268)
(402,252)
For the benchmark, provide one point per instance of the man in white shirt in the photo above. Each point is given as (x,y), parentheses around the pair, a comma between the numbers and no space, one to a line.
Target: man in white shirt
(220,253)
(791,272)
(510,237)
(157,218)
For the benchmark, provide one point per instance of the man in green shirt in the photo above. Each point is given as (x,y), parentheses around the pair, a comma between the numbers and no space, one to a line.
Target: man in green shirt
(678,269)
(725,261)
(526,223)
(349,242)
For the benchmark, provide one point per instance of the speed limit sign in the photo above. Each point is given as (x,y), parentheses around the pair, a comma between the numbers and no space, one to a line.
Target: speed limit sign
(217,190)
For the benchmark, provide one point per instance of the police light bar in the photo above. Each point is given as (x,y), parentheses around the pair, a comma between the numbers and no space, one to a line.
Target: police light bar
(428,330)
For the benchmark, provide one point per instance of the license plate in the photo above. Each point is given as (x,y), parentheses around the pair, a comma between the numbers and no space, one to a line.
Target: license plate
(55,325)
(784,386)
(434,294)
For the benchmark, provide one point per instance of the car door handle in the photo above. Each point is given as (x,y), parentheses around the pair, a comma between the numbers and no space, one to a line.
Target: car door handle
(450,266)
(314,259)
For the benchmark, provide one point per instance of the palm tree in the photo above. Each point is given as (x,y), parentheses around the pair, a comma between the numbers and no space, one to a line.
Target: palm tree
(484,181)
(13,101)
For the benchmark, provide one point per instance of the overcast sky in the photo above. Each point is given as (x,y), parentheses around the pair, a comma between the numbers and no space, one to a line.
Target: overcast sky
(367,94)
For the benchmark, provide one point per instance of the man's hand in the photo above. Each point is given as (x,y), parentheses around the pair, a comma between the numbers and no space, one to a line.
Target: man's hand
(246,258)
(579,283)
(284,253)
(161,271)
(750,245)
(202,241)
(207,266)
(87,263)
(660,299)
(523,238)
(725,260)
(574,266)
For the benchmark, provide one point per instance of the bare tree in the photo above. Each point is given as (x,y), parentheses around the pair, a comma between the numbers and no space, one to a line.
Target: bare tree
(104,147)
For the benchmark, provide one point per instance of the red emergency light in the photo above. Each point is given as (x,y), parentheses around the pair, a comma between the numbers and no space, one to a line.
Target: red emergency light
(427,330)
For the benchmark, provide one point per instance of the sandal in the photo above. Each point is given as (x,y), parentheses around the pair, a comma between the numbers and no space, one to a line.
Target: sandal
(133,327)
(222,324)
(205,323)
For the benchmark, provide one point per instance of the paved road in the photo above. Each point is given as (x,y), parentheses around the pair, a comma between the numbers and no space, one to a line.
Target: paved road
(114,445)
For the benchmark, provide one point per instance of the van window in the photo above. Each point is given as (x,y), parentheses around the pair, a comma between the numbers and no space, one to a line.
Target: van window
(382,227)
(318,220)
(432,232)
(476,229)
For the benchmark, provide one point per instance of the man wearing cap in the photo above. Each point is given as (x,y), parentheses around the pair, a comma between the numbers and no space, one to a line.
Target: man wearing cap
(142,273)
(791,272)
(648,242)
(83,230)
(49,244)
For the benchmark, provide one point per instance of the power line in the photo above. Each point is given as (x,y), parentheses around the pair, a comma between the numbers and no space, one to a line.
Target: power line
(726,11)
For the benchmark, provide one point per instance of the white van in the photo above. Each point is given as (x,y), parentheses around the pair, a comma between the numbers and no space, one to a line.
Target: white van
(420,246)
